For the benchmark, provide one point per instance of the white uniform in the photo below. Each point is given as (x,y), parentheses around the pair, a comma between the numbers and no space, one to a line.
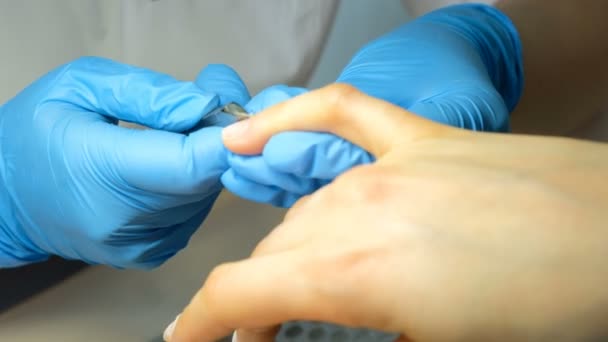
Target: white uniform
(267,41)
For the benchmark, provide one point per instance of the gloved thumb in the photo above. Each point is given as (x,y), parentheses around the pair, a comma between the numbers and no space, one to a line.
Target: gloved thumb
(224,81)
(155,161)
(372,124)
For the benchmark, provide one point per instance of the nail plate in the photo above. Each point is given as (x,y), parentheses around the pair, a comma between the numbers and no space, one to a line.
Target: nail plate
(169,330)
(236,130)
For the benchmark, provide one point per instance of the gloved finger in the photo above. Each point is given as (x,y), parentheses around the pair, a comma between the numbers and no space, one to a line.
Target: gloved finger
(372,124)
(297,207)
(149,225)
(159,244)
(271,96)
(256,192)
(313,155)
(131,94)
(257,170)
(224,81)
(151,161)
(179,235)
(470,107)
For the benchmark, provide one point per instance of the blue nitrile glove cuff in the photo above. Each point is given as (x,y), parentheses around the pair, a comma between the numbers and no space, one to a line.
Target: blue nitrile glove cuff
(496,39)
(13,253)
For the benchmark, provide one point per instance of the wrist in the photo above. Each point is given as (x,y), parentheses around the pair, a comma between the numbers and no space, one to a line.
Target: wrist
(12,251)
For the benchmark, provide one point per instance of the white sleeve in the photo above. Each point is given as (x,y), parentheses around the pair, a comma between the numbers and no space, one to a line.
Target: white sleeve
(267,42)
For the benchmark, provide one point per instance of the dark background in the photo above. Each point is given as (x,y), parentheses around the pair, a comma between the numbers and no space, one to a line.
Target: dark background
(18,284)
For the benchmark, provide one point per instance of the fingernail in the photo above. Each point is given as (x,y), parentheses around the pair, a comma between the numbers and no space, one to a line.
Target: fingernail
(234,338)
(236,130)
(169,330)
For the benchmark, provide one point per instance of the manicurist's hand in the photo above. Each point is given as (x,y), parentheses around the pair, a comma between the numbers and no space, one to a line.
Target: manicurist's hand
(75,184)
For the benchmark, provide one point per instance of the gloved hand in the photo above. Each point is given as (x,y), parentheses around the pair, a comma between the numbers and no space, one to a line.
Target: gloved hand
(293,164)
(75,184)
(460,65)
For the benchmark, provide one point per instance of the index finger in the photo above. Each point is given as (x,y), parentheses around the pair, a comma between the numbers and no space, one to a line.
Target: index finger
(132,94)
(373,124)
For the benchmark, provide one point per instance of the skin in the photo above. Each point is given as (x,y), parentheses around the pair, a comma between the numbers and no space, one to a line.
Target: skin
(449,235)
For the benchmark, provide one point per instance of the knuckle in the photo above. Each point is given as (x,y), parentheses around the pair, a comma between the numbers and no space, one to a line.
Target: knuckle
(339,96)
(340,92)
(297,207)
(277,89)
(340,277)
(279,239)
(354,263)
(275,94)
(211,294)
(70,74)
(266,245)
(368,183)
(85,62)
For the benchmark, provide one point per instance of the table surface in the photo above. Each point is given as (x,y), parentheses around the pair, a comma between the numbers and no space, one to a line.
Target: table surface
(104,304)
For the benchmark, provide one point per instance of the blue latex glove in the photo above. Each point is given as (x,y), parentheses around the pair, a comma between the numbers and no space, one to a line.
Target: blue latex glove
(293,163)
(460,65)
(75,184)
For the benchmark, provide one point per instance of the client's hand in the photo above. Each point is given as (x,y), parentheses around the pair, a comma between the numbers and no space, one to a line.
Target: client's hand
(449,235)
